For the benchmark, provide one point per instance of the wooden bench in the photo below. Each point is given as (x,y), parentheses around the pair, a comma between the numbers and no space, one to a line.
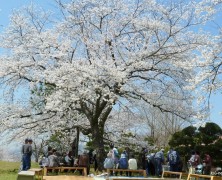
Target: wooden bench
(61,169)
(197,176)
(142,178)
(143,172)
(134,178)
(172,173)
(26,175)
(184,175)
(38,172)
(67,178)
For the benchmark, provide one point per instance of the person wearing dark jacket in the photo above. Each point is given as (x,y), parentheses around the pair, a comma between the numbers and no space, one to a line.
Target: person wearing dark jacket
(159,160)
(123,163)
(26,154)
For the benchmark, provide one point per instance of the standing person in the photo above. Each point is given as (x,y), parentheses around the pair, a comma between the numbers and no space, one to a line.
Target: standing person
(115,156)
(30,153)
(159,160)
(194,161)
(132,164)
(95,161)
(207,163)
(173,158)
(84,161)
(25,151)
(150,170)
(128,153)
(180,165)
(123,163)
(90,154)
(142,158)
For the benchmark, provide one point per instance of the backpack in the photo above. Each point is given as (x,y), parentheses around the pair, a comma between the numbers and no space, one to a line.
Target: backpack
(173,157)
(150,158)
(116,154)
(123,163)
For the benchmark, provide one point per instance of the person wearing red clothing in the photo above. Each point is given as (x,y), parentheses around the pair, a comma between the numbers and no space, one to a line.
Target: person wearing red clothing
(207,163)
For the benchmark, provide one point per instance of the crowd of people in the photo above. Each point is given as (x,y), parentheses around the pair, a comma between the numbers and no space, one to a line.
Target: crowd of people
(152,162)
(55,159)
(200,166)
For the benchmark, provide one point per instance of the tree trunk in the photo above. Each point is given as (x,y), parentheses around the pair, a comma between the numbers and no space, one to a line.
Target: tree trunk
(98,144)
(75,144)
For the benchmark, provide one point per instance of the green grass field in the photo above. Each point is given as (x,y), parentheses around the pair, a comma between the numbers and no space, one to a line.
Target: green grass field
(9,170)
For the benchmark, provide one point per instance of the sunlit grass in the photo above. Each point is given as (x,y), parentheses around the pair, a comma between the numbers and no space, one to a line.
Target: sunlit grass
(9,170)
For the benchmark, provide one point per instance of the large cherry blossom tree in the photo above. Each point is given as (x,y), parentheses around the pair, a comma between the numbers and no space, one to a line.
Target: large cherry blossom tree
(69,69)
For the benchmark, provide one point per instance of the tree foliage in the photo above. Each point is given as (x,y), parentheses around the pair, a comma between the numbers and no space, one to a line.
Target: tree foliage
(203,139)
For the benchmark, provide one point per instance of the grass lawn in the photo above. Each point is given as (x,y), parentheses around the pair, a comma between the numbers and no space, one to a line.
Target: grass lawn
(9,170)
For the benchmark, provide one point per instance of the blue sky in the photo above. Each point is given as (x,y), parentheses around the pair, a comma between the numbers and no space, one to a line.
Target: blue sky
(6,7)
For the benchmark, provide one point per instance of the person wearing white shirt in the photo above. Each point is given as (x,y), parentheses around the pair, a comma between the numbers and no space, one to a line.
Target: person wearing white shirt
(132,164)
